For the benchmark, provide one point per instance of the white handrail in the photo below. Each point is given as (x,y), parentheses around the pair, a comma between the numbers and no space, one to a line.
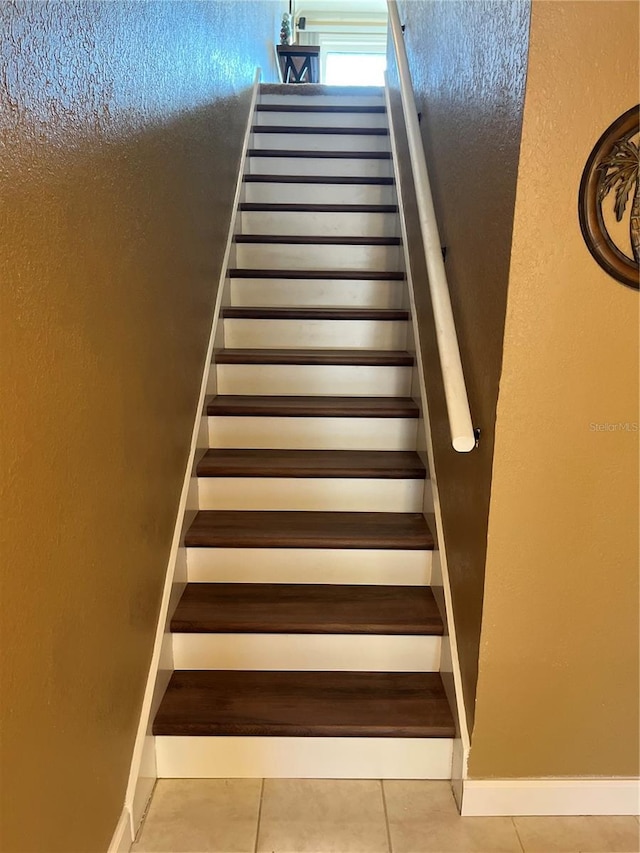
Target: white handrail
(460,425)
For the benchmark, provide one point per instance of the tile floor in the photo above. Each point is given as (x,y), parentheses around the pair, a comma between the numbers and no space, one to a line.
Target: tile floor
(355,816)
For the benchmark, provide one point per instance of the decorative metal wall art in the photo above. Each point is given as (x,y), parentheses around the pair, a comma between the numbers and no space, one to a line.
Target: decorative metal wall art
(609,199)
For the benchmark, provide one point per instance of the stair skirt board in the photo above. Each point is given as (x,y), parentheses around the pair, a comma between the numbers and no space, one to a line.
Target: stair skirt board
(286,118)
(312,493)
(315,334)
(367,293)
(311,433)
(365,566)
(341,652)
(313,257)
(322,223)
(312,379)
(348,166)
(303,757)
(275,192)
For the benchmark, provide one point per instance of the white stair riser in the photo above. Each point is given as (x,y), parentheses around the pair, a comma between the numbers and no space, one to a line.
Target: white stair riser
(305,652)
(374,100)
(303,758)
(320,142)
(313,380)
(309,565)
(312,494)
(316,334)
(284,193)
(337,167)
(282,433)
(285,292)
(309,256)
(287,118)
(312,224)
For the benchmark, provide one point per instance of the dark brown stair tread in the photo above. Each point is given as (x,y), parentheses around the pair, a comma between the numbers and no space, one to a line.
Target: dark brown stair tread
(316,108)
(311,130)
(320,704)
(300,407)
(307,609)
(323,313)
(365,358)
(296,153)
(373,464)
(299,240)
(405,531)
(329,275)
(258,207)
(316,179)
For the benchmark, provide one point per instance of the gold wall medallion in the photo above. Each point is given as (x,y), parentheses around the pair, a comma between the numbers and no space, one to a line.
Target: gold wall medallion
(609,199)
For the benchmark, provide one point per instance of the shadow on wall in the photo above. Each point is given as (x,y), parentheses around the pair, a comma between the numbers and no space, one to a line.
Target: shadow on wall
(468,65)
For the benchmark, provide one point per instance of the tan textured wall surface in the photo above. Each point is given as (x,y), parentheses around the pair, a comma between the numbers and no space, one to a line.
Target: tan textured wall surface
(121,125)
(558,684)
(468,66)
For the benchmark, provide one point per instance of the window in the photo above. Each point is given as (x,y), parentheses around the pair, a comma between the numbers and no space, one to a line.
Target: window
(355,69)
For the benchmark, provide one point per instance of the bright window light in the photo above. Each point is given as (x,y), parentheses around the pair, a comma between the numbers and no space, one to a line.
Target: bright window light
(355,69)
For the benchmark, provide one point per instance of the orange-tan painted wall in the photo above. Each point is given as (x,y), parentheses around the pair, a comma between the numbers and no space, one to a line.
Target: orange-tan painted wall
(558,673)
(121,126)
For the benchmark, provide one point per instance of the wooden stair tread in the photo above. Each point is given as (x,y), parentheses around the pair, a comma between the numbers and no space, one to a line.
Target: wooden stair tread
(318,108)
(261,207)
(367,464)
(274,529)
(296,153)
(365,358)
(306,313)
(307,609)
(317,179)
(300,407)
(322,240)
(329,275)
(305,704)
(312,130)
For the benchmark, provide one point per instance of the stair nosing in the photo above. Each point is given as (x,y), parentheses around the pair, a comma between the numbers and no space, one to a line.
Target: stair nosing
(319,108)
(305,609)
(318,179)
(318,240)
(295,153)
(310,464)
(285,207)
(329,275)
(356,357)
(313,130)
(319,313)
(298,406)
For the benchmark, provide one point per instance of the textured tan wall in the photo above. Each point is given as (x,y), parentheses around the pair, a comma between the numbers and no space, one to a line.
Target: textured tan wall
(468,66)
(121,125)
(558,685)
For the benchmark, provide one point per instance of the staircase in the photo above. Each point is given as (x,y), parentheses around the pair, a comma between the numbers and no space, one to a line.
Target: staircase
(307,642)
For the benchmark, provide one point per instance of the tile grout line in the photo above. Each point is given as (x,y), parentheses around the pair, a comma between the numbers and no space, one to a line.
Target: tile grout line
(255,848)
(386,816)
(518,835)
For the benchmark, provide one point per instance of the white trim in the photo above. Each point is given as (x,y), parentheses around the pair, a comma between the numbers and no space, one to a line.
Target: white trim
(441,576)
(140,783)
(122,838)
(550,797)
(224,757)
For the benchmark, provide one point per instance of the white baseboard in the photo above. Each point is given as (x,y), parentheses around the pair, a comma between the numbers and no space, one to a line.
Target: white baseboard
(122,840)
(487,797)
